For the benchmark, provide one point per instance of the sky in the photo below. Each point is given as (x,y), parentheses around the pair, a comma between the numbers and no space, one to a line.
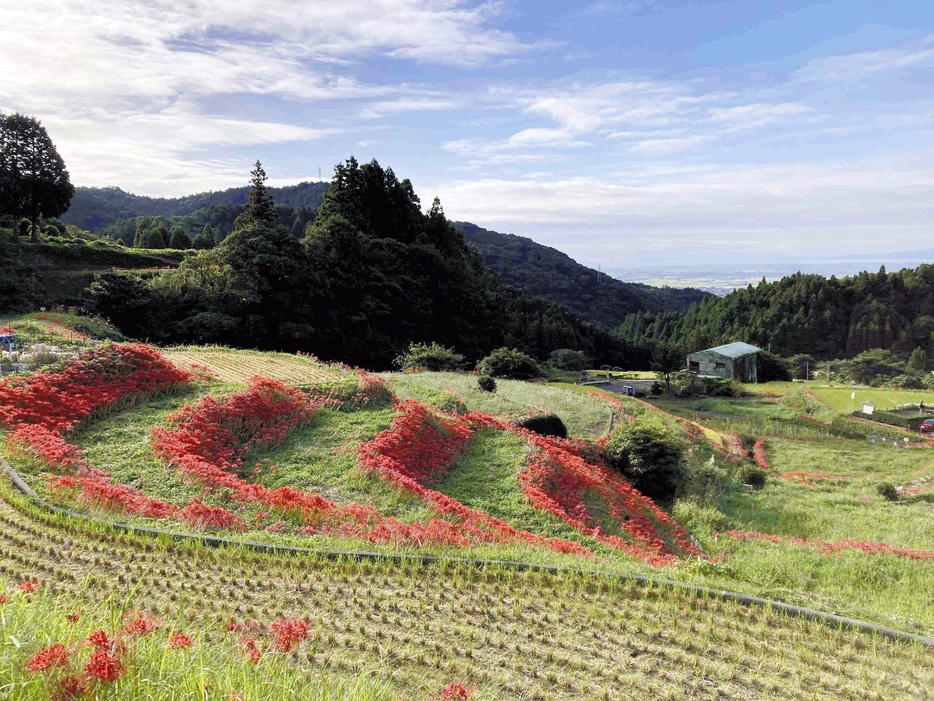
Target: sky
(627,133)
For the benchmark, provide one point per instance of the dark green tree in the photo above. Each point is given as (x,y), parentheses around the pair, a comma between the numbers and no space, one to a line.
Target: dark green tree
(178,238)
(667,359)
(33,180)
(139,238)
(205,239)
(918,361)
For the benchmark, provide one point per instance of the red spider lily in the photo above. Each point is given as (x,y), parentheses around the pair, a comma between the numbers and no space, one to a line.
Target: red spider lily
(69,688)
(562,474)
(204,517)
(101,376)
(250,648)
(95,488)
(73,617)
(179,641)
(53,656)
(758,451)
(28,587)
(99,640)
(3,598)
(828,546)
(140,625)
(289,633)
(47,446)
(104,666)
(452,691)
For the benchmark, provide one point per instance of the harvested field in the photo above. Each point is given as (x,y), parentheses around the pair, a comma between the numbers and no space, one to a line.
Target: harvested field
(238,366)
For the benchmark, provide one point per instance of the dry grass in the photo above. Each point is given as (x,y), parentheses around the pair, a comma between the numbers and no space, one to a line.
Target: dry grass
(238,366)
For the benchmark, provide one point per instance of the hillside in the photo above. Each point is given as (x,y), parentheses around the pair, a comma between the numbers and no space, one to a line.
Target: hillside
(546,272)
(426,472)
(825,317)
(93,208)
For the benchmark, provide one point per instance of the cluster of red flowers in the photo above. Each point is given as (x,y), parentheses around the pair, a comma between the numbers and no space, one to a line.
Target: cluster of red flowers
(212,435)
(563,475)
(416,449)
(204,517)
(46,446)
(831,546)
(102,376)
(285,635)
(758,452)
(96,488)
(107,662)
(417,446)
(453,692)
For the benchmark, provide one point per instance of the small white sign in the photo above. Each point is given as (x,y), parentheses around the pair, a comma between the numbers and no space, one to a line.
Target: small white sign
(853,396)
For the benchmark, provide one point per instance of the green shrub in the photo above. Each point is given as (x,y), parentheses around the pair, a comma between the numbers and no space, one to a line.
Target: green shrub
(887,491)
(752,475)
(650,458)
(568,359)
(544,425)
(433,357)
(509,363)
(883,417)
(486,384)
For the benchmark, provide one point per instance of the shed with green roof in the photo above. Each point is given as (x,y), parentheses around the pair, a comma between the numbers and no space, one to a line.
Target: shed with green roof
(733,361)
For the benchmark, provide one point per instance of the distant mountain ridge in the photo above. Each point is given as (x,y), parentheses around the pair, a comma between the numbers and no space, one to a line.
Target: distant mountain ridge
(546,272)
(94,208)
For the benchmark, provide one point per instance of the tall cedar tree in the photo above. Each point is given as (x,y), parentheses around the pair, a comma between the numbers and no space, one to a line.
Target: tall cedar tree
(33,180)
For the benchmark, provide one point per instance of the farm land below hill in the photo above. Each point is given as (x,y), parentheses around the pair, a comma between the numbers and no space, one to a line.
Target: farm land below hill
(336,466)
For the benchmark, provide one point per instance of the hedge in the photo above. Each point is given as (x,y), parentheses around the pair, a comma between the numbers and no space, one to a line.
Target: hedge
(884,417)
(849,427)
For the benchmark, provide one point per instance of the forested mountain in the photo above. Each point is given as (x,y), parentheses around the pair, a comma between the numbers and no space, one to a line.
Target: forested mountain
(372,274)
(826,317)
(94,208)
(548,273)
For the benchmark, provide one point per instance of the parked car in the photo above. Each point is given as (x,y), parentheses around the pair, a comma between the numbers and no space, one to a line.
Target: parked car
(927,426)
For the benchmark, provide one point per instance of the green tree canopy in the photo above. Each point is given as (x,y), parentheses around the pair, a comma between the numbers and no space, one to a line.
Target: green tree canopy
(33,180)
(178,238)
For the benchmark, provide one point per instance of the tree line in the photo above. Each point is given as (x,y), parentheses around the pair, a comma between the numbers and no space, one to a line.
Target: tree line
(805,314)
(371,274)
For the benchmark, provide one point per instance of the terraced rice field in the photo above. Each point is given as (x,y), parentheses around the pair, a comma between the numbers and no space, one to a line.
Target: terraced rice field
(510,634)
(238,366)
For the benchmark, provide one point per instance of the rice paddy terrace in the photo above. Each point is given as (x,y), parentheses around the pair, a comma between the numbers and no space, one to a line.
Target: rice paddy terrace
(323,463)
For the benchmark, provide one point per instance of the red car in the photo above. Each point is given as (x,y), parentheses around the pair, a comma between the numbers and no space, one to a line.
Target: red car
(927,426)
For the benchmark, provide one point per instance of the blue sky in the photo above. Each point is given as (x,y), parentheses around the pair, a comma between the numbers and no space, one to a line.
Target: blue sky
(624,133)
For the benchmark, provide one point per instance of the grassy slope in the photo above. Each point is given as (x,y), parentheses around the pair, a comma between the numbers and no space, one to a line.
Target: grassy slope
(584,416)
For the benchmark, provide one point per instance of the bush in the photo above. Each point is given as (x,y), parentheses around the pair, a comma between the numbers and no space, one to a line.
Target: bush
(887,491)
(544,425)
(753,475)
(486,384)
(568,359)
(509,363)
(650,458)
(433,357)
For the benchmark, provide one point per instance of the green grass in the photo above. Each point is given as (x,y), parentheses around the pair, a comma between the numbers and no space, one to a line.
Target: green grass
(584,415)
(214,668)
(884,399)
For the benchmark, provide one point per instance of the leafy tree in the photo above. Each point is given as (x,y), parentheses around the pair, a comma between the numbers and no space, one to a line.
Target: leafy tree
(178,239)
(433,357)
(509,363)
(139,238)
(205,239)
(156,236)
(667,359)
(568,359)
(918,361)
(33,180)
(649,456)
